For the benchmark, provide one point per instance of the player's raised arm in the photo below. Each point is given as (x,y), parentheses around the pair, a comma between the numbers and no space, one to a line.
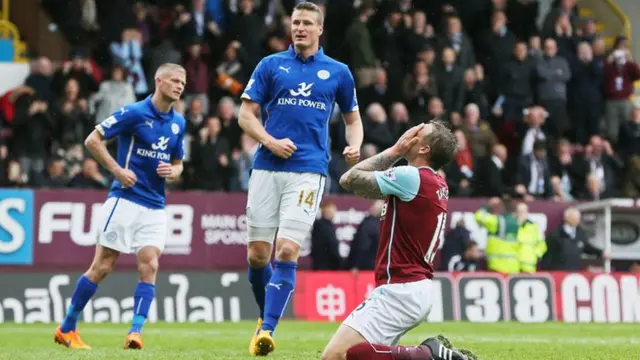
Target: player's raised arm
(108,129)
(364,178)
(348,102)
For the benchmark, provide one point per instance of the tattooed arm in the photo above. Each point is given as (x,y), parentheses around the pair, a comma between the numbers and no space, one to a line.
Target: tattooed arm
(360,179)
(367,180)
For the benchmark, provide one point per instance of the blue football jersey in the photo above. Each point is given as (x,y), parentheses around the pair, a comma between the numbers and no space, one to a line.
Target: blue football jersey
(297,99)
(146,136)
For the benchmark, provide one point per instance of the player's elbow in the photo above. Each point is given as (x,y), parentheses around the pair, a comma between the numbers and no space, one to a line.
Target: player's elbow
(92,140)
(345,180)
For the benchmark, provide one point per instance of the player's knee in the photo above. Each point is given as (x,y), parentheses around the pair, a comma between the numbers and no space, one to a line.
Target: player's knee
(287,250)
(99,270)
(332,354)
(259,254)
(148,267)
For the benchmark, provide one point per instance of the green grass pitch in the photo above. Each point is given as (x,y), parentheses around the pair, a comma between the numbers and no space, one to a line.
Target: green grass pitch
(304,340)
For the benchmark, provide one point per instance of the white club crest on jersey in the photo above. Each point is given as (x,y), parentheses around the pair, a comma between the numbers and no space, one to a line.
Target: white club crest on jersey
(323,74)
(304,89)
(175,129)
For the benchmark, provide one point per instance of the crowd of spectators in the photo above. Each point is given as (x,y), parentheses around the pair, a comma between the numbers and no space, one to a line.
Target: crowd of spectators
(539,111)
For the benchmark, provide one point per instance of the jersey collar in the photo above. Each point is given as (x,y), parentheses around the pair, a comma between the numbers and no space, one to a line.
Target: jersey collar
(158,113)
(319,54)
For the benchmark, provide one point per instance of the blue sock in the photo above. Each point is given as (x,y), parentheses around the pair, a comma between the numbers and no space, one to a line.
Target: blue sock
(259,278)
(142,299)
(278,293)
(85,289)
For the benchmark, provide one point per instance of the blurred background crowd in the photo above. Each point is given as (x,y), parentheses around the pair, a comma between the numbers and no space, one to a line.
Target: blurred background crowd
(539,111)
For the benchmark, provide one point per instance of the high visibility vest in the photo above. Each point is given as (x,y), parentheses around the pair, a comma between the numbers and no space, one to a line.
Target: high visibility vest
(502,246)
(532,246)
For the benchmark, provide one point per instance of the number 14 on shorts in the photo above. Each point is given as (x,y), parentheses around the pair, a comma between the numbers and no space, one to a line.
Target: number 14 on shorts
(307,198)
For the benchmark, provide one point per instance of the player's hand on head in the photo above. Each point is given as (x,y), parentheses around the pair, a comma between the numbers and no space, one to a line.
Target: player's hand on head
(126,177)
(407,140)
(283,148)
(164,170)
(351,155)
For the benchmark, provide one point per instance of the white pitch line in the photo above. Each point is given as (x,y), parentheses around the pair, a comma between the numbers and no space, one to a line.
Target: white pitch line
(190,332)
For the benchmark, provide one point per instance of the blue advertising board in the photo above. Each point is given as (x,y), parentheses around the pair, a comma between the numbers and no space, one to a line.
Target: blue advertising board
(16,227)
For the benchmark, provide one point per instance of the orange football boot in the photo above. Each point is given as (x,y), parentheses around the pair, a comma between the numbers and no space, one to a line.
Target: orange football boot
(133,341)
(71,339)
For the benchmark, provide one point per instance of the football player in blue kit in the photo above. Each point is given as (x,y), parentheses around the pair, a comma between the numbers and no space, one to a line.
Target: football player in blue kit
(295,92)
(132,220)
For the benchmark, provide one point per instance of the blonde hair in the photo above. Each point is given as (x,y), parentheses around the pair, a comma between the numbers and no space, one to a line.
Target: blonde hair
(169,67)
(309,6)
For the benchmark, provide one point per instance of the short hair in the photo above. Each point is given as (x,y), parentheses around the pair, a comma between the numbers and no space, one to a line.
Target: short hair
(167,67)
(443,145)
(309,6)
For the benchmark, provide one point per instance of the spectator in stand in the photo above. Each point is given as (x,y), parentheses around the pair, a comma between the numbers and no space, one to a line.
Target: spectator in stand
(459,173)
(197,76)
(589,31)
(497,48)
(211,157)
(377,130)
(418,87)
(90,177)
(604,166)
(359,47)
(230,71)
(561,8)
(230,128)
(449,81)
(564,36)
(456,39)
(630,152)
(534,119)
(533,179)
(40,78)
(378,92)
(478,133)
(31,128)
(585,94)
(455,241)
(422,36)
(568,173)
(535,47)
(567,243)
(435,110)
(78,68)
(515,85)
(198,23)
(112,95)
(399,119)
(468,261)
(489,175)
(244,161)
(249,29)
(620,72)
(552,75)
(55,176)
(325,247)
(129,53)
(474,91)
(388,41)
(364,245)
(71,117)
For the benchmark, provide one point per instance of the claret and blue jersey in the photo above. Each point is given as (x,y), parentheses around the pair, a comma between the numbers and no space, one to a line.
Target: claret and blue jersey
(146,136)
(297,99)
